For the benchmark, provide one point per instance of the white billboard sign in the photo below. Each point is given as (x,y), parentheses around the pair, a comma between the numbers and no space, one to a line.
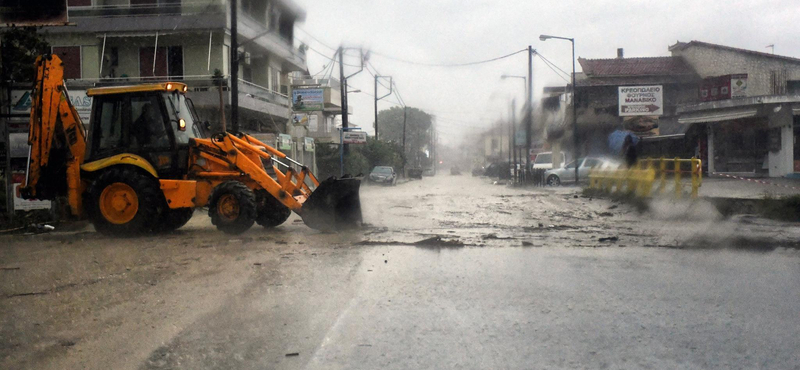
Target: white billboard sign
(28,204)
(354,137)
(641,100)
(21,104)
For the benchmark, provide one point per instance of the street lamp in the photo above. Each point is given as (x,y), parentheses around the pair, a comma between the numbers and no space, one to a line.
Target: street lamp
(574,107)
(524,80)
(512,144)
(353,91)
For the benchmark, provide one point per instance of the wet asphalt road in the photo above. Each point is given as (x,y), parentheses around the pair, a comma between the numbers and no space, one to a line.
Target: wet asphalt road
(450,272)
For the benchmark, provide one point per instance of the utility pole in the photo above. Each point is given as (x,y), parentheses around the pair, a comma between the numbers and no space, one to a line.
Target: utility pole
(343,83)
(234,68)
(391,88)
(529,115)
(405,161)
(514,136)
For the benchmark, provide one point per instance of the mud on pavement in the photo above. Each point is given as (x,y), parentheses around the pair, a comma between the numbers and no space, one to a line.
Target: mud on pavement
(82,300)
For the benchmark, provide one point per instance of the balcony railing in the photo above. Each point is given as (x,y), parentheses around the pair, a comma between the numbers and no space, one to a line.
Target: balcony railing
(145,10)
(195,83)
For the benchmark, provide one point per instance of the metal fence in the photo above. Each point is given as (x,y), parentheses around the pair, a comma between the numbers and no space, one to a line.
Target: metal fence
(640,179)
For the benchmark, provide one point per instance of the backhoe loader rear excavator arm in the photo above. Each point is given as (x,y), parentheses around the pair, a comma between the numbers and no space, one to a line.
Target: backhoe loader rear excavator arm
(57,138)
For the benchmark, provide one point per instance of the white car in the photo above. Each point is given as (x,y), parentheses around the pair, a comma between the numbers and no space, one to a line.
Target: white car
(544,160)
(566,174)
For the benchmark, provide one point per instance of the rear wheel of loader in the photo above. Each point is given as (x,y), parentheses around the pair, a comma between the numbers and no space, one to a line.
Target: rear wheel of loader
(123,201)
(271,212)
(232,207)
(173,219)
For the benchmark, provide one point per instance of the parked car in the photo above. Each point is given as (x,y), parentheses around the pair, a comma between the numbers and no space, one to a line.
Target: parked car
(478,171)
(501,170)
(415,173)
(555,177)
(544,160)
(383,175)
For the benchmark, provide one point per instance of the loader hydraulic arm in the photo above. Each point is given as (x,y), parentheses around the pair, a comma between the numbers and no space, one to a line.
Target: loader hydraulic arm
(57,138)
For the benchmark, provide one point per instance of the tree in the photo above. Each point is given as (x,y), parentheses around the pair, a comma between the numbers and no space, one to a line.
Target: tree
(20,48)
(418,124)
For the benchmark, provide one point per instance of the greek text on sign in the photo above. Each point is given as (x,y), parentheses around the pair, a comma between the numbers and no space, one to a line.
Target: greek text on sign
(641,100)
(354,137)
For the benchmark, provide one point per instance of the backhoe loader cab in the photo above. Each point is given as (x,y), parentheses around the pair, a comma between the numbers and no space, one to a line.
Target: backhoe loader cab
(152,121)
(148,164)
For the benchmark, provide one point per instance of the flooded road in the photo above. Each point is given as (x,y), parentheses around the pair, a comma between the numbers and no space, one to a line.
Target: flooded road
(449,272)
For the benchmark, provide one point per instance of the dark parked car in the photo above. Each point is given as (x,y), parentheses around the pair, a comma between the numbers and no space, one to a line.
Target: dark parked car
(501,170)
(415,173)
(383,175)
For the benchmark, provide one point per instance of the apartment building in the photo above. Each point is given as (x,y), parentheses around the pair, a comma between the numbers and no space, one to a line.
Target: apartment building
(131,41)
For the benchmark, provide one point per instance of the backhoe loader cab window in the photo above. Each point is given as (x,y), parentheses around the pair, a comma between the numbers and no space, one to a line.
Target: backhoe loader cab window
(147,128)
(179,109)
(110,125)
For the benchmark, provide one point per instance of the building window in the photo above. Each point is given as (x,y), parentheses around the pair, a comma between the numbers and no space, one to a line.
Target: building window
(168,62)
(175,61)
(71,56)
(275,80)
(146,66)
(778,82)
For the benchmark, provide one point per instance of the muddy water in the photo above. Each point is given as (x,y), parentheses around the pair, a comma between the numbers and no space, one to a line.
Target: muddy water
(449,272)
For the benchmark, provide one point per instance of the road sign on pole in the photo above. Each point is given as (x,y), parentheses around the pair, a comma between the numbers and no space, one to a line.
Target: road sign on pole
(641,100)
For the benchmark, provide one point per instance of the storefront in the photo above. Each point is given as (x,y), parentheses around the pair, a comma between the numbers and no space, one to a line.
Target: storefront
(749,137)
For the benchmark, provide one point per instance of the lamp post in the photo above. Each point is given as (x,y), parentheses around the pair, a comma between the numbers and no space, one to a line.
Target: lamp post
(379,98)
(512,144)
(574,106)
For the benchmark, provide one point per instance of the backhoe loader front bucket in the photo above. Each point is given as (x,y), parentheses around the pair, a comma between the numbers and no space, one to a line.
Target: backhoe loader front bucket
(334,205)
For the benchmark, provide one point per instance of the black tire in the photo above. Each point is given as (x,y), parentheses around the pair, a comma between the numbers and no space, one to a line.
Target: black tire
(553,180)
(271,212)
(148,197)
(232,207)
(173,219)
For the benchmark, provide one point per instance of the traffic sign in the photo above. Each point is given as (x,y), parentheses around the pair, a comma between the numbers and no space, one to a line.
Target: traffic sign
(641,100)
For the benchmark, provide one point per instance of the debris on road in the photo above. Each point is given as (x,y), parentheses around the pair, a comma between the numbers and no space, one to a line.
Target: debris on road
(609,239)
(494,236)
(293,354)
(527,244)
(439,242)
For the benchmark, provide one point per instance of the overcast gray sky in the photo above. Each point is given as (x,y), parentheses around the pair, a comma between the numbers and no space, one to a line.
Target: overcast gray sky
(459,31)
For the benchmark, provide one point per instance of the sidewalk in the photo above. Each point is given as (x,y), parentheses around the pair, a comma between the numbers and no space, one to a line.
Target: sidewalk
(721,187)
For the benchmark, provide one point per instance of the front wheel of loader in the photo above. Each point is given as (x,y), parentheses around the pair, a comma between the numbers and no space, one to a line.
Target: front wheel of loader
(123,201)
(232,207)
(271,212)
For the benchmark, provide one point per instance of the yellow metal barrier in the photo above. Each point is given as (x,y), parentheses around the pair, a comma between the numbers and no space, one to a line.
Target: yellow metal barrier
(640,178)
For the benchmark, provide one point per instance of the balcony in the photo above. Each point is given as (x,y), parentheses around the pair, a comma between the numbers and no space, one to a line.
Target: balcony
(204,92)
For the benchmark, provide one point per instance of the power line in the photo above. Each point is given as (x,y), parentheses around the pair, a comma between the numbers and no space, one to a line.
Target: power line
(329,58)
(376,74)
(447,64)
(315,39)
(551,63)
(556,72)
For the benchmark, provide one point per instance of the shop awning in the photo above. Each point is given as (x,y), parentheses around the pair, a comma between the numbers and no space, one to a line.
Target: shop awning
(716,116)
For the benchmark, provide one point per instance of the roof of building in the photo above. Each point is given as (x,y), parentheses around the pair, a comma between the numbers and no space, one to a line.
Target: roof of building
(636,71)
(654,66)
(684,45)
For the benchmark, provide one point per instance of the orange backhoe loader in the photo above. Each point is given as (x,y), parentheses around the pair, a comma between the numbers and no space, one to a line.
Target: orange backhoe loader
(147,163)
